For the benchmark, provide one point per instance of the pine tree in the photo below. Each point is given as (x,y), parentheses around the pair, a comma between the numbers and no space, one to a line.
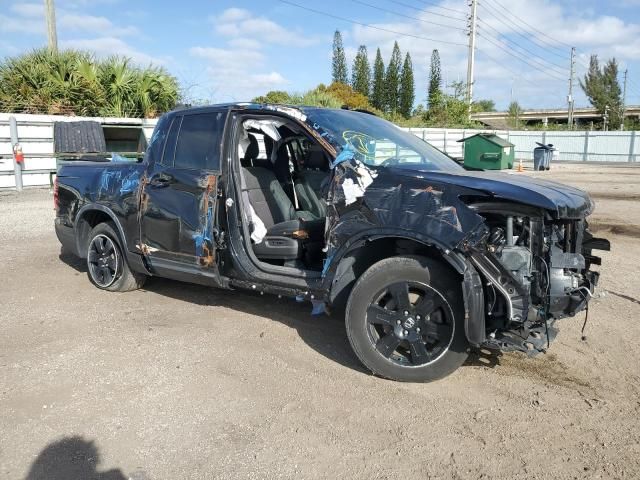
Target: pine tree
(435,81)
(361,72)
(339,64)
(407,88)
(392,80)
(377,91)
(601,86)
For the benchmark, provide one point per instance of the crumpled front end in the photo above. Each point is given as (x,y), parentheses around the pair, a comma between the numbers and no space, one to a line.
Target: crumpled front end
(536,269)
(527,264)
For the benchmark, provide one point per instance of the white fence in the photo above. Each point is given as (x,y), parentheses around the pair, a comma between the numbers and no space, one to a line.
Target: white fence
(35,134)
(574,146)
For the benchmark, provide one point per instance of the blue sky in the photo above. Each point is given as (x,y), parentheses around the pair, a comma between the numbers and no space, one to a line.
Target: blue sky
(233,50)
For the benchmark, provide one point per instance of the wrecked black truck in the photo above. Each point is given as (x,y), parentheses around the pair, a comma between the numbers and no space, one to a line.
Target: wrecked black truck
(347,211)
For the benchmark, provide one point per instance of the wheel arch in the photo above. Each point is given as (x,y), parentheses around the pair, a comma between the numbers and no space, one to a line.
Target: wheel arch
(361,253)
(88,217)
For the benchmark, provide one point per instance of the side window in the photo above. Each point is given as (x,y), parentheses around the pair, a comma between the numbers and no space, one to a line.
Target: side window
(170,145)
(198,145)
(156,145)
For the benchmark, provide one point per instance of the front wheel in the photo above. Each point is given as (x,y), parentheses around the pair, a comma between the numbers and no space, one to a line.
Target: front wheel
(107,267)
(405,319)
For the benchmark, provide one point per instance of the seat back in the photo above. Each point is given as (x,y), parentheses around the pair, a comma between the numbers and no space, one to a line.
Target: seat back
(266,196)
(309,182)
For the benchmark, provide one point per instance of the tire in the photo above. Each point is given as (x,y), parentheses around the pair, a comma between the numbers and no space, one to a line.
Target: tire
(405,319)
(107,268)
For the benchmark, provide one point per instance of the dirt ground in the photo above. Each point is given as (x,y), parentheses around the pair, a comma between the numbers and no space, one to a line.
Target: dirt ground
(182,382)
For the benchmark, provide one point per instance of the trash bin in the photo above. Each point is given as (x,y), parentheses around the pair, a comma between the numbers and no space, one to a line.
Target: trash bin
(487,151)
(542,156)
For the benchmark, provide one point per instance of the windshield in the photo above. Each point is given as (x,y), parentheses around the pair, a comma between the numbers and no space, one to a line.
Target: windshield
(377,142)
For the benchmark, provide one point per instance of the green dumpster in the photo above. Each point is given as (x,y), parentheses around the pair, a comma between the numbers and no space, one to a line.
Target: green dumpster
(487,151)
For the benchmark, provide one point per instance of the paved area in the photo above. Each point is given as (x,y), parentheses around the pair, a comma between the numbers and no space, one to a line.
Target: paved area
(182,382)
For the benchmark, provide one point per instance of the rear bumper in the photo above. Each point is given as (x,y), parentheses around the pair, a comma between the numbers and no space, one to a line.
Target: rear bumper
(66,236)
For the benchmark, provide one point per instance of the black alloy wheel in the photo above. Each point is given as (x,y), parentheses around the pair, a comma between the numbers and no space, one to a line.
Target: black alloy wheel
(405,319)
(410,323)
(103,261)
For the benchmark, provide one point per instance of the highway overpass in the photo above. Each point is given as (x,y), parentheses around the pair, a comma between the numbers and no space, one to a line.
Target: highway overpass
(583,117)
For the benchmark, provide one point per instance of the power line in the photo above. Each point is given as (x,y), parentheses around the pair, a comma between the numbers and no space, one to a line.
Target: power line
(535,40)
(407,16)
(520,34)
(526,50)
(540,32)
(520,57)
(337,17)
(435,5)
(406,5)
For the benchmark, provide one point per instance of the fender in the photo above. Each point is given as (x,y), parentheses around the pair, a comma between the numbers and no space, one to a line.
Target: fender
(356,241)
(340,274)
(134,259)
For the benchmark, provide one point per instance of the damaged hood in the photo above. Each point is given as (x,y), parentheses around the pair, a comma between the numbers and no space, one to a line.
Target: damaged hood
(562,201)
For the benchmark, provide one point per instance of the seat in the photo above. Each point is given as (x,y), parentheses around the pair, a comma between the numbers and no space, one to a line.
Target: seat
(251,152)
(309,183)
(286,228)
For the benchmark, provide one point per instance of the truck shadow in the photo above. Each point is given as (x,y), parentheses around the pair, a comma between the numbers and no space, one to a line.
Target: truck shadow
(324,333)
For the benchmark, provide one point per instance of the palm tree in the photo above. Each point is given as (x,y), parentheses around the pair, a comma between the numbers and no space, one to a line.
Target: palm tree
(75,82)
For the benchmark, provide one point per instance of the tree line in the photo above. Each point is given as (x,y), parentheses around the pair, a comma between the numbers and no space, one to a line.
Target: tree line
(390,90)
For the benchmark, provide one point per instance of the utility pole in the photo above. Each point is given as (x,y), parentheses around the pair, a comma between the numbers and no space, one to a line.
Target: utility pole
(624,100)
(472,51)
(50,13)
(570,100)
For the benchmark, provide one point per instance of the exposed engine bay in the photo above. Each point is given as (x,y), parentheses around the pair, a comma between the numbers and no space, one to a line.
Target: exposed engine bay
(536,270)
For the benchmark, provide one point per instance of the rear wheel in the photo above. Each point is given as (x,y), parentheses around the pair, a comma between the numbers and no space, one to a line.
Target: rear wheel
(405,319)
(107,267)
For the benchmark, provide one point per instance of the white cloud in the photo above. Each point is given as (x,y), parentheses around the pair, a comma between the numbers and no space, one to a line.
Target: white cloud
(234,73)
(236,70)
(24,26)
(233,15)
(107,46)
(245,43)
(29,18)
(236,22)
(535,84)
(90,23)
(28,9)
(226,57)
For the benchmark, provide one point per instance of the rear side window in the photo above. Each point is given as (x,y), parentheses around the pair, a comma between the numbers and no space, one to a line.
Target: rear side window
(198,145)
(170,145)
(156,145)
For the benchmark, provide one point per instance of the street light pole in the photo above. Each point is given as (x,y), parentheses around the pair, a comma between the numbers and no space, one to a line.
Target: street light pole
(472,52)
(624,100)
(570,96)
(50,14)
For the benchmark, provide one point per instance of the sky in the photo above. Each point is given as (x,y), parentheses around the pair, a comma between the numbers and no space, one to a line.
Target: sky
(223,50)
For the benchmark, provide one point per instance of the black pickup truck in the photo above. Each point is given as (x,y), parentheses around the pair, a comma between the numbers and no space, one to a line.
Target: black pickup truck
(342,209)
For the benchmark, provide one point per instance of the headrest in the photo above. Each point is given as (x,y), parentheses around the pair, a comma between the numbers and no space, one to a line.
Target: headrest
(316,158)
(268,145)
(253,150)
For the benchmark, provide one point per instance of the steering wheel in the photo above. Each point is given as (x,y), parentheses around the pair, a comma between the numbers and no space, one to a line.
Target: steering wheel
(391,161)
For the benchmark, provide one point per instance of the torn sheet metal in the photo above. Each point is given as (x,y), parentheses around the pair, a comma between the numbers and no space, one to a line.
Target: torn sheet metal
(290,111)
(362,199)
(203,238)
